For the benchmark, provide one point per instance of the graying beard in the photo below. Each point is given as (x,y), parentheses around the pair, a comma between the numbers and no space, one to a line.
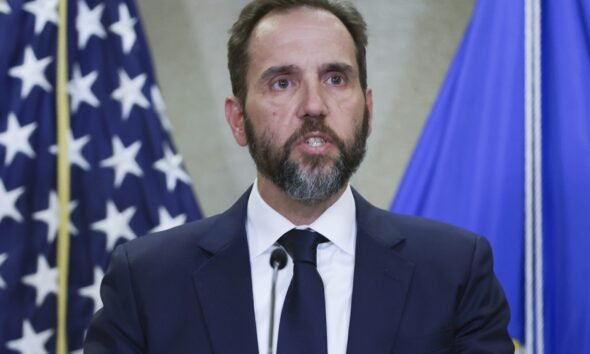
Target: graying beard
(309,187)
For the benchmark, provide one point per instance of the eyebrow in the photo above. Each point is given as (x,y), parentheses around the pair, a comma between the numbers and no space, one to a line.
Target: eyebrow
(289,69)
(277,70)
(341,67)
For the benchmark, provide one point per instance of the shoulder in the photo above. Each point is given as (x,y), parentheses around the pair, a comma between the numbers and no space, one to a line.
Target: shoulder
(423,237)
(425,230)
(172,240)
(164,252)
(420,239)
(193,241)
(392,227)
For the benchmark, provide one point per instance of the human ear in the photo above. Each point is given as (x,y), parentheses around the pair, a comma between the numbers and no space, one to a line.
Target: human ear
(234,114)
(369,103)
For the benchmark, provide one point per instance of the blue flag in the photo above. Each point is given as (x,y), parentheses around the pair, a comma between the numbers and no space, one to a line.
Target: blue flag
(467,168)
(468,165)
(126,177)
(566,175)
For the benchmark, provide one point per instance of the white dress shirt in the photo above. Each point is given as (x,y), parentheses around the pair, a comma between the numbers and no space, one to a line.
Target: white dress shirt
(335,263)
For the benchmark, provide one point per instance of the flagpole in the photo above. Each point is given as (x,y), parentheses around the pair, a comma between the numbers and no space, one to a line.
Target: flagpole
(533,181)
(63,178)
(538,177)
(528,182)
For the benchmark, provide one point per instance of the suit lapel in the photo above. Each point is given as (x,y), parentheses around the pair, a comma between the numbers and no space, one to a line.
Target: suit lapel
(224,286)
(381,282)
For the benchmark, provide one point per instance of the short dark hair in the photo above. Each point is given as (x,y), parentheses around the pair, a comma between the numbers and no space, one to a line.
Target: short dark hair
(238,59)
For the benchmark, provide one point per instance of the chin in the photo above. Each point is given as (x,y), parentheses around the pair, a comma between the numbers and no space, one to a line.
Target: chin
(313,163)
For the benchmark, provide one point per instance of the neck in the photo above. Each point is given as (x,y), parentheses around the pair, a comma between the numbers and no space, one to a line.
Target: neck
(296,211)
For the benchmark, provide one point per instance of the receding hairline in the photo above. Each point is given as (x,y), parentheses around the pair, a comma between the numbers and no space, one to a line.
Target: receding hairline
(338,25)
(319,11)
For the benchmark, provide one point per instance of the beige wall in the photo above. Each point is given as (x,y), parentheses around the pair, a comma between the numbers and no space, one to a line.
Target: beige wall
(411,43)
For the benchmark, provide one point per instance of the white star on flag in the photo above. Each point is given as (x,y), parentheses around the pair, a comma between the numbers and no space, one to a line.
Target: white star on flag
(92,291)
(3,258)
(118,131)
(4,8)
(75,146)
(129,92)
(123,160)
(44,280)
(16,139)
(31,72)
(167,221)
(171,166)
(50,216)
(124,28)
(115,224)
(160,107)
(88,23)
(31,342)
(8,202)
(80,88)
(44,11)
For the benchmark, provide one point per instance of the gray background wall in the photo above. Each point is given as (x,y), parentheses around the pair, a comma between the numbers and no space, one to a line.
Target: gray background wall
(411,43)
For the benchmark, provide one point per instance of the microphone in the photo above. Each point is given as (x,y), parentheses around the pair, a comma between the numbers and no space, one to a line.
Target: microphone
(278,260)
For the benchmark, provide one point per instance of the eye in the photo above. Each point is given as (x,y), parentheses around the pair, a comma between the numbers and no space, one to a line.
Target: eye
(335,79)
(281,84)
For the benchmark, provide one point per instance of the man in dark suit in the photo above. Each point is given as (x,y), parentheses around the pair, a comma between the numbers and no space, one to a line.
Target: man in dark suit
(359,280)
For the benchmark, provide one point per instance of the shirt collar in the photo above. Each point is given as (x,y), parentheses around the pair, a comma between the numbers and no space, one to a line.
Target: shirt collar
(265,225)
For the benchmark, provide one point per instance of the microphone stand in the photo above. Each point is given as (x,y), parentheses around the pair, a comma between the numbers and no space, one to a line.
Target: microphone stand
(278,260)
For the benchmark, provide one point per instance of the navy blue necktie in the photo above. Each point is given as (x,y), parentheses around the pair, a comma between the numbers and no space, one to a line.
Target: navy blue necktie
(303,320)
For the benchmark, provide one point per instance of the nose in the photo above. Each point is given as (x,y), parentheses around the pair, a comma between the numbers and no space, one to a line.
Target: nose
(313,101)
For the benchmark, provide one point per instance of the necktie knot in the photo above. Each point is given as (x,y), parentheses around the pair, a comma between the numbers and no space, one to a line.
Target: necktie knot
(302,245)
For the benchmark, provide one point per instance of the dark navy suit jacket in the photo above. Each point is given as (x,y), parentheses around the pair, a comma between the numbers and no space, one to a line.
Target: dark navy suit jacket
(420,286)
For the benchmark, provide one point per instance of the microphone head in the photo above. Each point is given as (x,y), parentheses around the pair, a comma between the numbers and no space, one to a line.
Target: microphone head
(278,257)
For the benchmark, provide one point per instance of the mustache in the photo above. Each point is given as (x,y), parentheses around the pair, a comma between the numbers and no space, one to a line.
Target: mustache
(314,125)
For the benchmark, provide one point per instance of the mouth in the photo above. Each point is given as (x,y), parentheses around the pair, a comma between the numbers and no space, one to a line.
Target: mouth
(314,144)
(315,140)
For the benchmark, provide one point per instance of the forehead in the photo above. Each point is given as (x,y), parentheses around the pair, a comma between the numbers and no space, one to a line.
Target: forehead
(301,34)
(283,19)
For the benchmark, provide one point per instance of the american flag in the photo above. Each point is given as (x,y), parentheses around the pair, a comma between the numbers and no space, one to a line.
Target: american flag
(126,177)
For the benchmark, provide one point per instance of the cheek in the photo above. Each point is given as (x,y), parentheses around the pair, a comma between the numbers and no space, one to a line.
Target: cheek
(272,123)
(275,116)
(282,116)
(348,114)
